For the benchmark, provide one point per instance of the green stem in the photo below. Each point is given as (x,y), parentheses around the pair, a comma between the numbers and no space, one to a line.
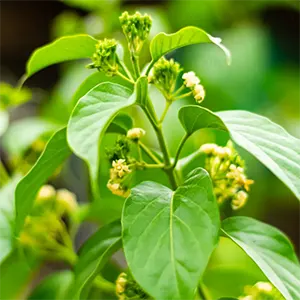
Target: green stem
(179,90)
(135,64)
(204,293)
(104,285)
(182,163)
(124,77)
(149,153)
(168,104)
(150,67)
(4,177)
(125,69)
(182,142)
(183,95)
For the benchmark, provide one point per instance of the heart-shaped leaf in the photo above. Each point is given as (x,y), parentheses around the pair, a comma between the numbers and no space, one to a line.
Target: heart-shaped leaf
(63,49)
(163,43)
(7,217)
(53,287)
(193,118)
(270,249)
(169,236)
(93,256)
(268,142)
(91,117)
(56,151)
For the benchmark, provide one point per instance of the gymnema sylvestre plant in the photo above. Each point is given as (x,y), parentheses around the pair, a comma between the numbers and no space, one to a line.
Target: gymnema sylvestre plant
(167,233)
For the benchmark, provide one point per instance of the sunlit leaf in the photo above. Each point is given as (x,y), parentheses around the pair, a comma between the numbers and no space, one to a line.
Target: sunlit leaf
(169,236)
(93,256)
(268,142)
(164,43)
(7,218)
(56,151)
(92,116)
(63,49)
(193,118)
(270,249)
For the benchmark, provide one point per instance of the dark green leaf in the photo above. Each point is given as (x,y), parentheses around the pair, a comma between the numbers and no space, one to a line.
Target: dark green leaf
(268,142)
(164,43)
(270,249)
(169,236)
(7,218)
(53,287)
(93,256)
(193,118)
(121,124)
(56,151)
(63,49)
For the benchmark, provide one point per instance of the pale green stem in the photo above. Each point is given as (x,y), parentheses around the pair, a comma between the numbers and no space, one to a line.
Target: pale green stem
(182,142)
(183,95)
(179,90)
(125,69)
(124,77)
(168,104)
(149,153)
(135,64)
(4,177)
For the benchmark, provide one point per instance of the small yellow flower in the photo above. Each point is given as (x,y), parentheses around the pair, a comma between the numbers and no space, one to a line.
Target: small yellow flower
(46,192)
(121,285)
(199,93)
(264,286)
(66,201)
(190,79)
(117,189)
(136,133)
(239,201)
(208,148)
(120,168)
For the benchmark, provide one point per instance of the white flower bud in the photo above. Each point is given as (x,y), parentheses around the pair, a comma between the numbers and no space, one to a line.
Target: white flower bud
(190,79)
(264,286)
(208,148)
(136,133)
(66,201)
(46,192)
(239,201)
(199,93)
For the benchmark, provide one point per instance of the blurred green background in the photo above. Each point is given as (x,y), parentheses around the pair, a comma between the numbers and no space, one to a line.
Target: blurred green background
(263,37)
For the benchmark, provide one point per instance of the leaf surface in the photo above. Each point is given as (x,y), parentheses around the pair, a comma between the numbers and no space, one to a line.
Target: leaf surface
(163,43)
(268,142)
(169,236)
(55,153)
(63,49)
(92,257)
(270,249)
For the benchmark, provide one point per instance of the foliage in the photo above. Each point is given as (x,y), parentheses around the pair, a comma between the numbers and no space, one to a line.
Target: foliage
(168,232)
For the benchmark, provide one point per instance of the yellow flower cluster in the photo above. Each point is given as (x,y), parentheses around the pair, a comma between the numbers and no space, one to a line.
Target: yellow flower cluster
(118,174)
(226,169)
(193,82)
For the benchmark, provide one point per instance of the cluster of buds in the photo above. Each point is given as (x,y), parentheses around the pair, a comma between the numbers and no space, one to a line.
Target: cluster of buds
(164,75)
(127,288)
(261,291)
(118,175)
(45,230)
(192,82)
(136,29)
(105,57)
(135,134)
(226,169)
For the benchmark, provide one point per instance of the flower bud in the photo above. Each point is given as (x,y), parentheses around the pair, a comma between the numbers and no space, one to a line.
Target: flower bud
(199,93)
(136,29)
(190,79)
(135,133)
(105,57)
(65,202)
(164,74)
(239,200)
(45,194)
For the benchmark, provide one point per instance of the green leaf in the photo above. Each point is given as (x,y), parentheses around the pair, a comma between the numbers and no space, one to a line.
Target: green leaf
(56,151)
(193,118)
(92,257)
(92,116)
(164,43)
(7,218)
(169,236)
(53,287)
(21,134)
(268,142)
(120,124)
(270,249)
(4,120)
(61,50)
